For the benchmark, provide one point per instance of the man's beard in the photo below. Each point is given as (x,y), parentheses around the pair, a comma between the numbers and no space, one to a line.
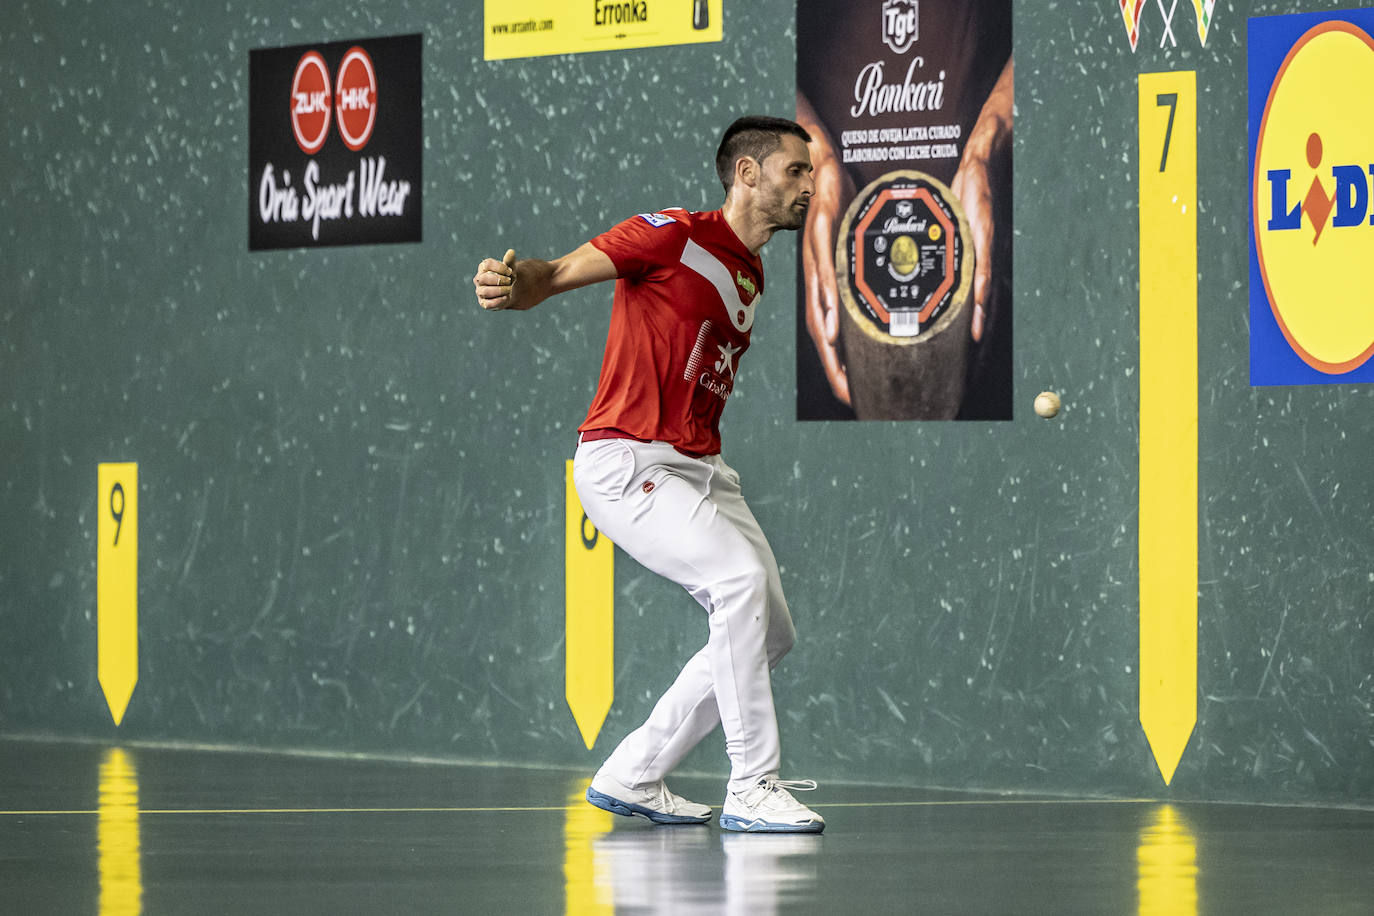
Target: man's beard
(788,215)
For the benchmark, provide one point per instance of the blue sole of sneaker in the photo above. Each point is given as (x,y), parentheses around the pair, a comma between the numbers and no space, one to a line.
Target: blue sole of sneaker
(740,825)
(616,806)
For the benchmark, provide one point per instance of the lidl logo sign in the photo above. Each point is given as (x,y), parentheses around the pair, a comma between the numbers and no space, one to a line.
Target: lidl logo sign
(1312,198)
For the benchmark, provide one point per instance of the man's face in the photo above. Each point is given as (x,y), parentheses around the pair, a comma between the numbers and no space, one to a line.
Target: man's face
(785,184)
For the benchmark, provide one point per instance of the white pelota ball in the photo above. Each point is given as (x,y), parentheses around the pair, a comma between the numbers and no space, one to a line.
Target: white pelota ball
(1046,404)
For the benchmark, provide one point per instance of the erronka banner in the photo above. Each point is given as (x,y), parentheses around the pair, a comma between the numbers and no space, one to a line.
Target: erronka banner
(535,28)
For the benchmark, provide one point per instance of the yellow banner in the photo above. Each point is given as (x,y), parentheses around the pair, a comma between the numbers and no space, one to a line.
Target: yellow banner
(536,28)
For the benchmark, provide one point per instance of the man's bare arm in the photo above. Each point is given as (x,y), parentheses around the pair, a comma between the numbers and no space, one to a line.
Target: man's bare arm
(523,284)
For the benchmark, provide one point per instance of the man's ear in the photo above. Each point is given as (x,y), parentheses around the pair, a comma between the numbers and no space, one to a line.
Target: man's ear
(747,170)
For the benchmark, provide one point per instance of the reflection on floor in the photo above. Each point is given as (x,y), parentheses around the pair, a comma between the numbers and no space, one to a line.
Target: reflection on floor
(87,829)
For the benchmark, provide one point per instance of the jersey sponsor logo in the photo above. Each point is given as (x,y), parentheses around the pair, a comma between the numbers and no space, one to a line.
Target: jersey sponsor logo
(702,262)
(746,284)
(726,364)
(657,220)
(1311,202)
(714,385)
(721,381)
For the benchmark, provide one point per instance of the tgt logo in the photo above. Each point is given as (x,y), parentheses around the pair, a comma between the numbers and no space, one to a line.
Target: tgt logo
(901,24)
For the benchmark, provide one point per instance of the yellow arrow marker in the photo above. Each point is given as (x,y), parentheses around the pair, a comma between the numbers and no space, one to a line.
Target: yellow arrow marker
(589,561)
(1168,413)
(117,584)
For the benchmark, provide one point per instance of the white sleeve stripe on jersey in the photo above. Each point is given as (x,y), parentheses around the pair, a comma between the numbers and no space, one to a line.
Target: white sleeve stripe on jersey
(702,262)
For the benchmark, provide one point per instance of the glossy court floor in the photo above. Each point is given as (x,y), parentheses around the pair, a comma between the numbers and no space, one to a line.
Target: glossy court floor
(89,829)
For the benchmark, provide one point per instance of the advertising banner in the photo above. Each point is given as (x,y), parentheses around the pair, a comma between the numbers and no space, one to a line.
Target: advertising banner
(904,308)
(334,143)
(1311,78)
(534,28)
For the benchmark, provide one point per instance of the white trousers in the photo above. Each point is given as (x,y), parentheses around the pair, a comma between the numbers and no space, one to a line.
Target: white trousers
(685,519)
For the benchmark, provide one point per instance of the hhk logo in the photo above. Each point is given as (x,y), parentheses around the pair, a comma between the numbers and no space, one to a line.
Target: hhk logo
(356,97)
(1311,213)
(901,24)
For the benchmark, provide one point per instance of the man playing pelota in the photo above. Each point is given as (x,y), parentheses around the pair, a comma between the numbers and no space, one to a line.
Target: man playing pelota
(649,473)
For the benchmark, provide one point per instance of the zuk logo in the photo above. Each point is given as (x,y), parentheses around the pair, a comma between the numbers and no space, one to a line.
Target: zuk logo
(1311,206)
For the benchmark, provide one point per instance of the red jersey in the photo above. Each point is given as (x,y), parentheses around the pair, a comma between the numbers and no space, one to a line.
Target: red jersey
(684,305)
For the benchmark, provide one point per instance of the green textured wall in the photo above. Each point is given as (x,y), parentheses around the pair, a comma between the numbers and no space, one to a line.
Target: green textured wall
(352,479)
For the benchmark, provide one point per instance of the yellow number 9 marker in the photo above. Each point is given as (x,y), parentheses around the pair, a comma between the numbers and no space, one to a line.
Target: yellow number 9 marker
(117,584)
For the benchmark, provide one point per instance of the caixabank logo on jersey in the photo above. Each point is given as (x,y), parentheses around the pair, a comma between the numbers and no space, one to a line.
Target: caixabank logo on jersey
(334,143)
(1311,208)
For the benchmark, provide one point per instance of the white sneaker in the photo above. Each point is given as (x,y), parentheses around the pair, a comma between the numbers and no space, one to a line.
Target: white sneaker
(767,807)
(654,802)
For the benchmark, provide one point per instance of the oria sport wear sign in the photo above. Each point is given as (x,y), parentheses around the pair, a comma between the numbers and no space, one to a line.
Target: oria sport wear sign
(334,143)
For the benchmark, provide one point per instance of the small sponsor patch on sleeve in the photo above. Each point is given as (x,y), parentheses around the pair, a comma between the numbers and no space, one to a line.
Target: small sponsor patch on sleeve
(657,220)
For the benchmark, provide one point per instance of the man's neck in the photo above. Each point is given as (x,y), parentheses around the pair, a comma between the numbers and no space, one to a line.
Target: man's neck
(746,225)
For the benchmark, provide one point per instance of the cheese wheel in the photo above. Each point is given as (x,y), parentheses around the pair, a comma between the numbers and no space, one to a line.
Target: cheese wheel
(904,264)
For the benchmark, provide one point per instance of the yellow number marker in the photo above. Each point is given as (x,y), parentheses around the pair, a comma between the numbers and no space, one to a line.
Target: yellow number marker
(589,561)
(1168,413)
(117,584)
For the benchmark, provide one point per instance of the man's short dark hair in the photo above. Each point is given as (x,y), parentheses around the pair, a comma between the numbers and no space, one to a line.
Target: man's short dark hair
(755,136)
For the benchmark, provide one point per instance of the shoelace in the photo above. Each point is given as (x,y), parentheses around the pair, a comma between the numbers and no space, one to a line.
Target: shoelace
(668,801)
(665,799)
(800,785)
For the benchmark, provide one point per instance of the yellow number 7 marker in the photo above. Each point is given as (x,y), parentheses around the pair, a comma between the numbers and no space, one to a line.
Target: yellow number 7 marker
(1168,413)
